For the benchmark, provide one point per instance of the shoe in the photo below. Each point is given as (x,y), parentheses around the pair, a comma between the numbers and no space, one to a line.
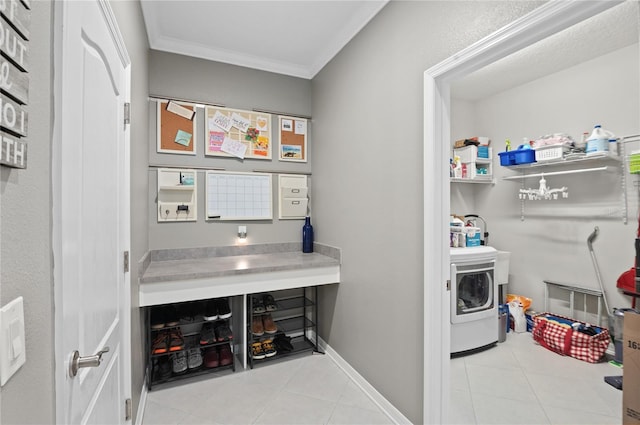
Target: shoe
(157,317)
(223,332)
(194,358)
(224,312)
(283,343)
(257,328)
(257,352)
(268,324)
(207,334)
(160,344)
(226,358)
(258,306)
(189,313)
(269,302)
(268,348)
(176,341)
(211,357)
(171,316)
(179,362)
(162,371)
(211,310)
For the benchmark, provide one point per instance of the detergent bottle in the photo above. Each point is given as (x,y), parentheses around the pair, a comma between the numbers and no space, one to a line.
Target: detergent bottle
(598,141)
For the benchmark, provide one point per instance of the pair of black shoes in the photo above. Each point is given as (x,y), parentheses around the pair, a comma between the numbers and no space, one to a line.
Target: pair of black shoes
(161,369)
(217,309)
(283,343)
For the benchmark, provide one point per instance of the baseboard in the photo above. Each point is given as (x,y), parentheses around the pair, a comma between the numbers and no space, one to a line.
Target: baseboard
(387,408)
(143,403)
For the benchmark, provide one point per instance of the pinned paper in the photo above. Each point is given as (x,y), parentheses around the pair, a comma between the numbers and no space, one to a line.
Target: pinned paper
(301,127)
(233,147)
(180,110)
(292,151)
(240,122)
(220,120)
(216,138)
(262,124)
(183,138)
(287,125)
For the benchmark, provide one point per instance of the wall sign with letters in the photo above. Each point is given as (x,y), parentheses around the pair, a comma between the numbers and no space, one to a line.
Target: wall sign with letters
(15,19)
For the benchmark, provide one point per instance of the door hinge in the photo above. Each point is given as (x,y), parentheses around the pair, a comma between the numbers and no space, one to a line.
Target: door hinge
(127,409)
(127,113)
(126,261)
(448,284)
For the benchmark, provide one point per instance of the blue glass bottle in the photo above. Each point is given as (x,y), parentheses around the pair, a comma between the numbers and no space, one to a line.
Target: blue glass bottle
(307,235)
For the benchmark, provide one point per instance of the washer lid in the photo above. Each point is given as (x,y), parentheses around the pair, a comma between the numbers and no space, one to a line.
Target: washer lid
(473,253)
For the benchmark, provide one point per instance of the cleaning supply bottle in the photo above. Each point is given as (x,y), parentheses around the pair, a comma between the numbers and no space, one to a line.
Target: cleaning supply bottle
(307,235)
(598,141)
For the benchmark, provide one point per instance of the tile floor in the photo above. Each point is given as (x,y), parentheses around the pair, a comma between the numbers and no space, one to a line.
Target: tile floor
(516,382)
(519,382)
(309,389)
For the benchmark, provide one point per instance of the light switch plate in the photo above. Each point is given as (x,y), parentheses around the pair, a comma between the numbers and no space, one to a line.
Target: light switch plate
(12,340)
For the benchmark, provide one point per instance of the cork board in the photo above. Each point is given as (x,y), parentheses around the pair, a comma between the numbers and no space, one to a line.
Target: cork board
(177,129)
(293,138)
(237,133)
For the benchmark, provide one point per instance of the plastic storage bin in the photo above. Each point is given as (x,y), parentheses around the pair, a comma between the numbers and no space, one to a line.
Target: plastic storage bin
(549,153)
(521,155)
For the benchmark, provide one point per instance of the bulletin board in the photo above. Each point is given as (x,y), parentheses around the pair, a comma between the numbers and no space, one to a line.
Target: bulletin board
(238,196)
(176,128)
(293,138)
(237,133)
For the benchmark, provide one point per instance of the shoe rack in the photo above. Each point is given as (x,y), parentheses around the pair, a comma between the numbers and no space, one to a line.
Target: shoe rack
(186,322)
(295,318)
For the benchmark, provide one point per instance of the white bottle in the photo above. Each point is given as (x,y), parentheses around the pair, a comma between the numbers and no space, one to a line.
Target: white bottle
(598,141)
(613,146)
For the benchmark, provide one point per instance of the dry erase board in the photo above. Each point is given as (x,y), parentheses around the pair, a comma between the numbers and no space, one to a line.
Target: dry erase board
(177,128)
(238,196)
(237,133)
(293,139)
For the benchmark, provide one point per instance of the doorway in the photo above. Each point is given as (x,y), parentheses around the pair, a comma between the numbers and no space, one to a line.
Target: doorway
(548,19)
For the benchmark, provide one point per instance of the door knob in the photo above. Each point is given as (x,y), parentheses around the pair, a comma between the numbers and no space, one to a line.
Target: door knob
(78,362)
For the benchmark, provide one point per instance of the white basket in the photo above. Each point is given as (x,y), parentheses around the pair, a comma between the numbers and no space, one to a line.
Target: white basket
(549,153)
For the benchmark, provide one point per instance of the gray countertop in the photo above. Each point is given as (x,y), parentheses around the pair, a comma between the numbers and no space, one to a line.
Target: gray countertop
(214,262)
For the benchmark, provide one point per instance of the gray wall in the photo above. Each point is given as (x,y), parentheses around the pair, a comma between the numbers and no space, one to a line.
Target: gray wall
(551,242)
(181,77)
(25,233)
(131,24)
(368,170)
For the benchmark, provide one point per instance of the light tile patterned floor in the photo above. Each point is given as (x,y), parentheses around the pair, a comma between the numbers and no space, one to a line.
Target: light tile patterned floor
(520,382)
(309,389)
(516,382)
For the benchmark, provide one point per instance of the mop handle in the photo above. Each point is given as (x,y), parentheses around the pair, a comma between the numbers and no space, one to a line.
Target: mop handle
(590,240)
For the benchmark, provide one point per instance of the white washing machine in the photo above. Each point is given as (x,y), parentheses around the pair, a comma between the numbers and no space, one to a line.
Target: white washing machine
(474,299)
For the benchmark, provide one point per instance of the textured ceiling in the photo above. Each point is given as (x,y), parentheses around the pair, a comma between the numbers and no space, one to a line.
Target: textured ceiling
(608,31)
(294,38)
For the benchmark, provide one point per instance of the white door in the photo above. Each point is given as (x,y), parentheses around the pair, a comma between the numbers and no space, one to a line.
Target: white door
(91,214)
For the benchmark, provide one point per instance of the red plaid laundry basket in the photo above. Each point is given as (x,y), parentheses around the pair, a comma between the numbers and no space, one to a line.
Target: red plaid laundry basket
(552,332)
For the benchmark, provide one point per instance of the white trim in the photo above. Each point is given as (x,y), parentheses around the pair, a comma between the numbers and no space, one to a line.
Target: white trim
(542,22)
(142,405)
(387,408)
(110,18)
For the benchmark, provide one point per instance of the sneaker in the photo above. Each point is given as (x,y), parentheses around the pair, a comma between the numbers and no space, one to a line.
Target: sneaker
(171,316)
(226,358)
(211,357)
(257,352)
(223,332)
(189,313)
(179,362)
(157,317)
(194,358)
(269,349)
(224,312)
(211,310)
(256,326)
(269,302)
(164,368)
(258,306)
(207,334)
(160,344)
(268,324)
(176,341)
(283,343)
